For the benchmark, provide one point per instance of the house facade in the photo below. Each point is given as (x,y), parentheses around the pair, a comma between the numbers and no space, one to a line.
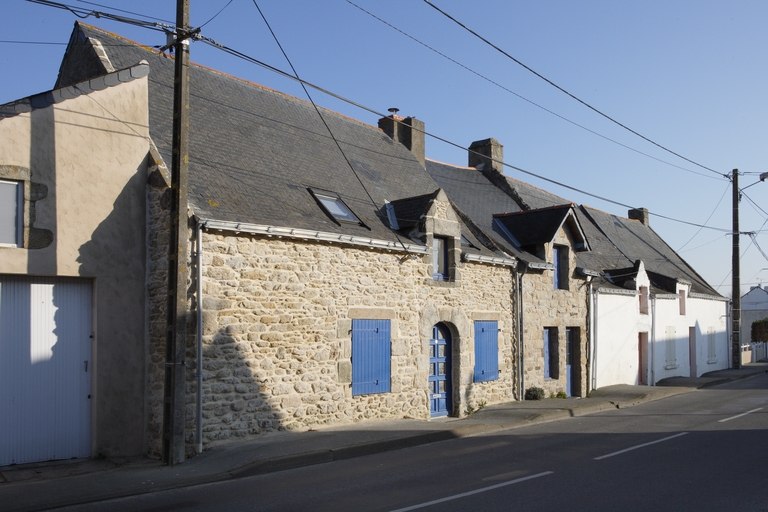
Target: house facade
(337,275)
(72,267)
(754,306)
(656,319)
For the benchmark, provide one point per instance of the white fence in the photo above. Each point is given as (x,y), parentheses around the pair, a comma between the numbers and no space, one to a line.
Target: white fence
(759,351)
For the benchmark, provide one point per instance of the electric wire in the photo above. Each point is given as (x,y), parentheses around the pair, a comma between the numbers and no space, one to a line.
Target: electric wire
(84,13)
(753,203)
(550,82)
(195,35)
(545,109)
(31,42)
(278,71)
(327,127)
(215,15)
(123,10)
(706,221)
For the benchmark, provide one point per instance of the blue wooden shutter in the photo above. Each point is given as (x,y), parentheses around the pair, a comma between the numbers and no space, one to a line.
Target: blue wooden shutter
(486,351)
(546,353)
(370,357)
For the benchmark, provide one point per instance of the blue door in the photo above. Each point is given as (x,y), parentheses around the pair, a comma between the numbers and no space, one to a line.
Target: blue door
(440,372)
(569,346)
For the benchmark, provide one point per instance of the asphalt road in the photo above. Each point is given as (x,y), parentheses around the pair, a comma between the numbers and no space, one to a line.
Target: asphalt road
(705,450)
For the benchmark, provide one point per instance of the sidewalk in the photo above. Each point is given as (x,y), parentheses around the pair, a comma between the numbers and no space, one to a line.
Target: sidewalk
(50,484)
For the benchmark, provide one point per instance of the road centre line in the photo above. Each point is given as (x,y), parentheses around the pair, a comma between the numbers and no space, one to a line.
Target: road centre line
(740,415)
(470,493)
(640,446)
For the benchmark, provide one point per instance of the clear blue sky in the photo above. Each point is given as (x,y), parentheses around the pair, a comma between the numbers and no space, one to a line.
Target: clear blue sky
(690,75)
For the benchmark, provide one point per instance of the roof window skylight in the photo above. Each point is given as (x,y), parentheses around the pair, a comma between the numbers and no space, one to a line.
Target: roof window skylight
(335,207)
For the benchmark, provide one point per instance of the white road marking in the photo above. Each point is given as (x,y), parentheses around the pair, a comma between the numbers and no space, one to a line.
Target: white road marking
(476,491)
(640,446)
(740,415)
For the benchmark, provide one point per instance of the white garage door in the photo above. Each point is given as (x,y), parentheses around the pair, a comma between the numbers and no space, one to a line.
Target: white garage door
(45,368)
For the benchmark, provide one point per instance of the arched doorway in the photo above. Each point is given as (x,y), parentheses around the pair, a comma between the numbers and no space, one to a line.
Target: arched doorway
(440,398)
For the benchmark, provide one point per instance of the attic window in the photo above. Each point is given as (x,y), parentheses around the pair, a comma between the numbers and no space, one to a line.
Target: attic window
(335,207)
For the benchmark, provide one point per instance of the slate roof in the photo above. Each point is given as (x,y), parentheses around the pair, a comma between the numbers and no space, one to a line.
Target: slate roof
(477,198)
(534,197)
(255,152)
(537,227)
(638,241)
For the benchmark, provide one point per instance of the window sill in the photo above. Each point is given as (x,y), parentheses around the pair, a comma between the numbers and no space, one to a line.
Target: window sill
(671,366)
(712,362)
(441,284)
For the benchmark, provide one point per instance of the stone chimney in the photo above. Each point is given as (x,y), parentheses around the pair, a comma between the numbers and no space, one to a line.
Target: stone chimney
(640,214)
(408,131)
(484,152)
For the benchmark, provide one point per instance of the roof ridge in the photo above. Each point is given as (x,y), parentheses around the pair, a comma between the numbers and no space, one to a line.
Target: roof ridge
(230,76)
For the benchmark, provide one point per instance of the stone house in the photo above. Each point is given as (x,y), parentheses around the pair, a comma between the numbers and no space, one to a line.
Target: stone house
(629,321)
(73,165)
(337,274)
(337,281)
(521,221)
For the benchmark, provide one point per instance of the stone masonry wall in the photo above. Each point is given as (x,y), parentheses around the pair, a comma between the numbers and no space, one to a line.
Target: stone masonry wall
(277,316)
(546,307)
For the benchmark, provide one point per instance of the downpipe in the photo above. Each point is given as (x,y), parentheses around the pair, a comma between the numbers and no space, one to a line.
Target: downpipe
(199,264)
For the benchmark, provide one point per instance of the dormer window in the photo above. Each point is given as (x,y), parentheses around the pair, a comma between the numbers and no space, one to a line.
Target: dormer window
(335,207)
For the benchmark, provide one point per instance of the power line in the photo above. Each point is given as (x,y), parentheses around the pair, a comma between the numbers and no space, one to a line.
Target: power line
(195,35)
(248,58)
(550,82)
(126,12)
(31,42)
(710,216)
(330,132)
(523,97)
(215,15)
(85,13)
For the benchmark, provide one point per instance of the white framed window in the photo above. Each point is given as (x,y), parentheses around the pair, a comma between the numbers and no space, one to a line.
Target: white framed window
(440,259)
(711,347)
(11,213)
(671,349)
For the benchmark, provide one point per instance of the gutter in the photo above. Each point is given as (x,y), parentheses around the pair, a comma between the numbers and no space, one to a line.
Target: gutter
(479,258)
(307,234)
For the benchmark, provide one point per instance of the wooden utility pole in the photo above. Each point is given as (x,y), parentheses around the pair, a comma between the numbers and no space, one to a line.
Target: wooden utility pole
(178,267)
(736,277)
